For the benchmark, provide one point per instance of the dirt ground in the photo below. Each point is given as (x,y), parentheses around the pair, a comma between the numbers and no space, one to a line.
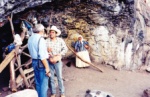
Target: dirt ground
(119,83)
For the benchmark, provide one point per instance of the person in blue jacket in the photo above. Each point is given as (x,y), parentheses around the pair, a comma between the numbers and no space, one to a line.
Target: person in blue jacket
(81,47)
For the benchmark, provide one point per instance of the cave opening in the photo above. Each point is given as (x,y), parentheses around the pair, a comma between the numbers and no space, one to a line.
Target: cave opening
(6,36)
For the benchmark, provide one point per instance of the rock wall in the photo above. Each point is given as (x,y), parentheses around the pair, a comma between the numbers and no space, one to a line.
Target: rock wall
(117,31)
(15,6)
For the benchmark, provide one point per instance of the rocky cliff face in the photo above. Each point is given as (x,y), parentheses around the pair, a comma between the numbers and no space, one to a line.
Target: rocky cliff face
(114,29)
(15,6)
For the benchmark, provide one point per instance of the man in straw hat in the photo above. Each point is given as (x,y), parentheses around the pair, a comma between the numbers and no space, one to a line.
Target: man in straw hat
(38,51)
(56,48)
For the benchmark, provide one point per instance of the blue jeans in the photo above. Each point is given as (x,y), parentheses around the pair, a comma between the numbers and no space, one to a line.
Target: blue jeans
(41,80)
(56,68)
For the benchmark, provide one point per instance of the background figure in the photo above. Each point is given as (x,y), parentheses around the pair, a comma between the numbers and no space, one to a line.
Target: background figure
(81,47)
(56,48)
(38,51)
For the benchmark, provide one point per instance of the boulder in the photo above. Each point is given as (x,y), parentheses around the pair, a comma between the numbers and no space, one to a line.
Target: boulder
(146,93)
(97,93)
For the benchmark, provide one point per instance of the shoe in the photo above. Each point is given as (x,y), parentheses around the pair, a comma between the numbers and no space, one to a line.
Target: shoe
(53,95)
(62,95)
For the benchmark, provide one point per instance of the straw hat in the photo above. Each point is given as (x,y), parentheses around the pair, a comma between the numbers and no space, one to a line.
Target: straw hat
(54,28)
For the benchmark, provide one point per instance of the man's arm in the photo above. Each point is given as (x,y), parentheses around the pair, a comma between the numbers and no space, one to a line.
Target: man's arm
(43,53)
(64,48)
(44,61)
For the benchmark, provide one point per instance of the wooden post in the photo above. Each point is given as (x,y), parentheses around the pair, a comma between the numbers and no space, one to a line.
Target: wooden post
(11,24)
(21,71)
(12,70)
(19,62)
(16,52)
(12,77)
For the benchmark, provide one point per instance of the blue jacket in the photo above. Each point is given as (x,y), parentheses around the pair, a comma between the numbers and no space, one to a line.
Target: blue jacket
(80,46)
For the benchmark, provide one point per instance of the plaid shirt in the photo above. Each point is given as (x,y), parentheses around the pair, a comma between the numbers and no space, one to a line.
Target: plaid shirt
(58,46)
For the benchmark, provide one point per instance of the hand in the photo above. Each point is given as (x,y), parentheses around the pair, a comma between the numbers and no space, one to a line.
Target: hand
(48,72)
(8,18)
(24,29)
(58,55)
(49,49)
(50,55)
(75,52)
(55,58)
(86,46)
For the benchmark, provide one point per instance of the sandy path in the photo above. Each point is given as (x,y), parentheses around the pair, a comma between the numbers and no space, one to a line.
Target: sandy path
(119,83)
